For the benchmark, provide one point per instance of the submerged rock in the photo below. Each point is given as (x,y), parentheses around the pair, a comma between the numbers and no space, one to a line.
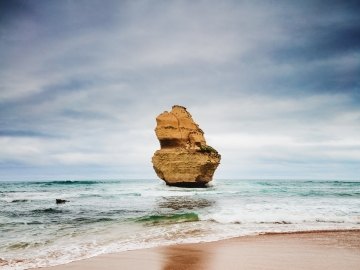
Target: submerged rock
(184,158)
(60,201)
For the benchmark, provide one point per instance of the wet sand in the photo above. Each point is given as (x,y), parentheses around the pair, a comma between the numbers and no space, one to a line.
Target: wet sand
(331,250)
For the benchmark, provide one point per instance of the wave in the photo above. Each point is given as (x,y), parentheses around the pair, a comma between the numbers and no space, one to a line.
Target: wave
(19,200)
(70,182)
(270,184)
(20,245)
(325,193)
(280,222)
(48,211)
(64,221)
(343,194)
(344,182)
(329,221)
(25,245)
(168,219)
(294,220)
(89,220)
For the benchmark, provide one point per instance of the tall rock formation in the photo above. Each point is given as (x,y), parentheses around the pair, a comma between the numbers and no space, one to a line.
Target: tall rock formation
(184,158)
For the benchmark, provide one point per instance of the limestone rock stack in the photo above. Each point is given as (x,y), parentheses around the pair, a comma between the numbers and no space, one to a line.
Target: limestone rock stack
(184,158)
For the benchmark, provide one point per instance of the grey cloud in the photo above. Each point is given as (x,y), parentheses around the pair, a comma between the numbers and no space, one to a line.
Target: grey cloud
(22,133)
(263,79)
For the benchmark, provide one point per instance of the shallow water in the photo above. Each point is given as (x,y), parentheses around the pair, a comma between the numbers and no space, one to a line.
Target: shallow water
(110,216)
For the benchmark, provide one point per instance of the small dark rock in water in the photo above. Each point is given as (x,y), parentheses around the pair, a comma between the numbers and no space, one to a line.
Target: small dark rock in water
(60,201)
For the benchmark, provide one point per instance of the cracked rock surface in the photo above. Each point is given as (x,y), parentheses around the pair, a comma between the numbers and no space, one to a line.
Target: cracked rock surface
(184,158)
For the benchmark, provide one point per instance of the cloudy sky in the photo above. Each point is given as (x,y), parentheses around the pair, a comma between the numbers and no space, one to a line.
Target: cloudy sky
(274,85)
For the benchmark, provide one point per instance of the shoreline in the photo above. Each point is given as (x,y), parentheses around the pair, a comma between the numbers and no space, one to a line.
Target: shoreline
(315,249)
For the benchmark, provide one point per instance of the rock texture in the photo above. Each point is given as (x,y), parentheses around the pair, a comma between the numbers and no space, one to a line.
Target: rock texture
(184,158)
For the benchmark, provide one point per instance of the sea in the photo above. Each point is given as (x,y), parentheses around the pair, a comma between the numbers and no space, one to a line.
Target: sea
(109,216)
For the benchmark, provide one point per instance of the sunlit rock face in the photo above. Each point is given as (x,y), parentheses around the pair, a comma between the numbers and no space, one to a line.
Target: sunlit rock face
(184,158)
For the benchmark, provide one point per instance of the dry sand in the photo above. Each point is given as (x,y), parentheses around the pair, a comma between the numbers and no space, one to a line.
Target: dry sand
(328,250)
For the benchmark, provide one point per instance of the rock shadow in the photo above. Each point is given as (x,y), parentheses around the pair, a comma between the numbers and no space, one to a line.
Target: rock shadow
(184,203)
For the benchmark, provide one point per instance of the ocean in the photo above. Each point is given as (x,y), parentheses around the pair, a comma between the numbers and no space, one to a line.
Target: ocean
(117,215)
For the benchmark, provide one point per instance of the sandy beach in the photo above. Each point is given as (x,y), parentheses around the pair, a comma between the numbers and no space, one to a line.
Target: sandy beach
(304,250)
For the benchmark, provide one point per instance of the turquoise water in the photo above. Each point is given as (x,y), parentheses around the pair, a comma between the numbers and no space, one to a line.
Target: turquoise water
(110,216)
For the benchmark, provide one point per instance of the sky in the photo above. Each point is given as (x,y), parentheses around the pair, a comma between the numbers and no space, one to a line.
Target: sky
(273,84)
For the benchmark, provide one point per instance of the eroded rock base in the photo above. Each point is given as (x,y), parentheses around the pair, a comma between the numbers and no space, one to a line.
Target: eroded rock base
(188,184)
(186,168)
